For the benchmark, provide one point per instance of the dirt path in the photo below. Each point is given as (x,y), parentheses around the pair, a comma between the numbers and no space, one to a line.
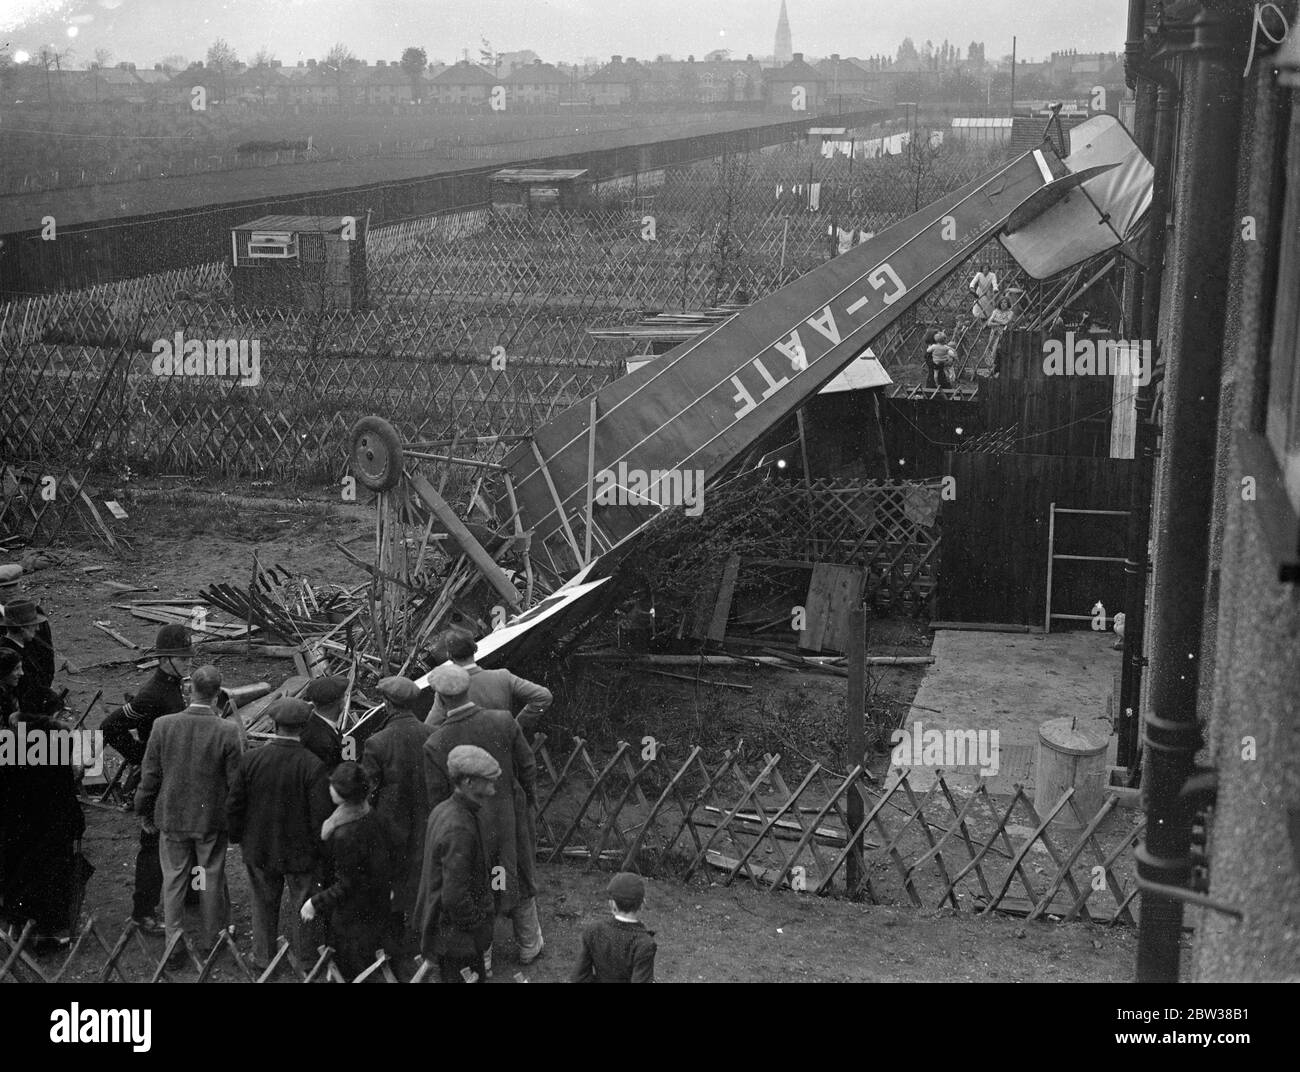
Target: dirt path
(709,933)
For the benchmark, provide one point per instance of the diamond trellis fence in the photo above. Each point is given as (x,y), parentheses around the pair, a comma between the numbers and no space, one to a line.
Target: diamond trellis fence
(637,810)
(448,294)
(38,502)
(946,846)
(891,530)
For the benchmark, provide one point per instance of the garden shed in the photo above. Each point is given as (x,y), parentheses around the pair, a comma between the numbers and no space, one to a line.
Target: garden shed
(539,188)
(300,262)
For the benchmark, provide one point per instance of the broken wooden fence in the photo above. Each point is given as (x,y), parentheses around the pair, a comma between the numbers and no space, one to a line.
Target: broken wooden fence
(40,502)
(891,532)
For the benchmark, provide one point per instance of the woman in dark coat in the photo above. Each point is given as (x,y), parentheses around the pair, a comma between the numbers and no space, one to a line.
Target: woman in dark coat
(42,821)
(358,841)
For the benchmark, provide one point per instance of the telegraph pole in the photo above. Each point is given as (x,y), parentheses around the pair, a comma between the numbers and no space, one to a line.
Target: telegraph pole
(855,735)
(1013,76)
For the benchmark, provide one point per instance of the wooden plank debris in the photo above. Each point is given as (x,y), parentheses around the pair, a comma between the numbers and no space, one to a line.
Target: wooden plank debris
(104,627)
(722,609)
(832,590)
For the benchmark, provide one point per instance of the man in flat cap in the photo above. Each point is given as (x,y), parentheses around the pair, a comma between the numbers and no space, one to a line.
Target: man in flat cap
(618,950)
(127,730)
(393,764)
(320,736)
(275,811)
(493,690)
(454,911)
(508,815)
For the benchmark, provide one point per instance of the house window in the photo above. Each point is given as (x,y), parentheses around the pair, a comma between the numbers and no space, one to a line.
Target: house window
(1282,418)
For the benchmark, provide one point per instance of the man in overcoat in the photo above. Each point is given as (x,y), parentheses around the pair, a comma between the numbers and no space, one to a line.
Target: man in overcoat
(275,811)
(508,815)
(454,909)
(394,767)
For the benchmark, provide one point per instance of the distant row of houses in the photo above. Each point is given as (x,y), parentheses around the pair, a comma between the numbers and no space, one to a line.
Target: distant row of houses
(619,82)
(832,82)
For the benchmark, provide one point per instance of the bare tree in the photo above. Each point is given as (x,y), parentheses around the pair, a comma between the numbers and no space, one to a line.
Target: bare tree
(413,62)
(262,57)
(175,62)
(221,59)
(339,59)
(46,58)
(101,59)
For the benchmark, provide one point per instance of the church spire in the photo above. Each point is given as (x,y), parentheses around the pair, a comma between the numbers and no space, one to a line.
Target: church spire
(784,49)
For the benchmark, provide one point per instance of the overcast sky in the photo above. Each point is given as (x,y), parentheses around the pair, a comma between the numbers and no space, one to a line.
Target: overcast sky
(144,31)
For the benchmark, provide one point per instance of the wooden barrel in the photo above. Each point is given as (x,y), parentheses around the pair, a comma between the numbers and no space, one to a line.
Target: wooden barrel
(1069,756)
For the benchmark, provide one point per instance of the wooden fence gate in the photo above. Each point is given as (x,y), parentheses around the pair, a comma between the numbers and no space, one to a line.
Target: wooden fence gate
(994,565)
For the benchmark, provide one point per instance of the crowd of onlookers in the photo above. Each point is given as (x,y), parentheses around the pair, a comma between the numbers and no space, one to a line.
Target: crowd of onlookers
(408,831)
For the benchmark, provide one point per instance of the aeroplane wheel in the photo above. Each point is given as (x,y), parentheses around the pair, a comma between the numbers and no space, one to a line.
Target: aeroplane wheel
(376,453)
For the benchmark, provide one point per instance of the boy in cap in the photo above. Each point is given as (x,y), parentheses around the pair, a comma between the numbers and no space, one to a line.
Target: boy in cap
(127,730)
(454,909)
(618,950)
(508,817)
(275,810)
(320,735)
(393,764)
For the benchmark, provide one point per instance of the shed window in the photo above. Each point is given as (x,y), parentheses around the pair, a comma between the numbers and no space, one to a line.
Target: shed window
(273,245)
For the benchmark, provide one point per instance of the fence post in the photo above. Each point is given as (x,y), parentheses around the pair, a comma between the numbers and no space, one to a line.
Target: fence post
(855,736)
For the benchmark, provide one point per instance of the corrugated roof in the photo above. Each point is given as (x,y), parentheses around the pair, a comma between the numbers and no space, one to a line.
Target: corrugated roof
(538,174)
(983,121)
(327,224)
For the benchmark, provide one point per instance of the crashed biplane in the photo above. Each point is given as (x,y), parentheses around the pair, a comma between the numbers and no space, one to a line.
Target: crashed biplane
(703,405)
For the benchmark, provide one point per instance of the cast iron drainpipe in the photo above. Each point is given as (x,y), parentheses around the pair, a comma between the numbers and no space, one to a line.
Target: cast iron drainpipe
(1146,317)
(1171,735)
